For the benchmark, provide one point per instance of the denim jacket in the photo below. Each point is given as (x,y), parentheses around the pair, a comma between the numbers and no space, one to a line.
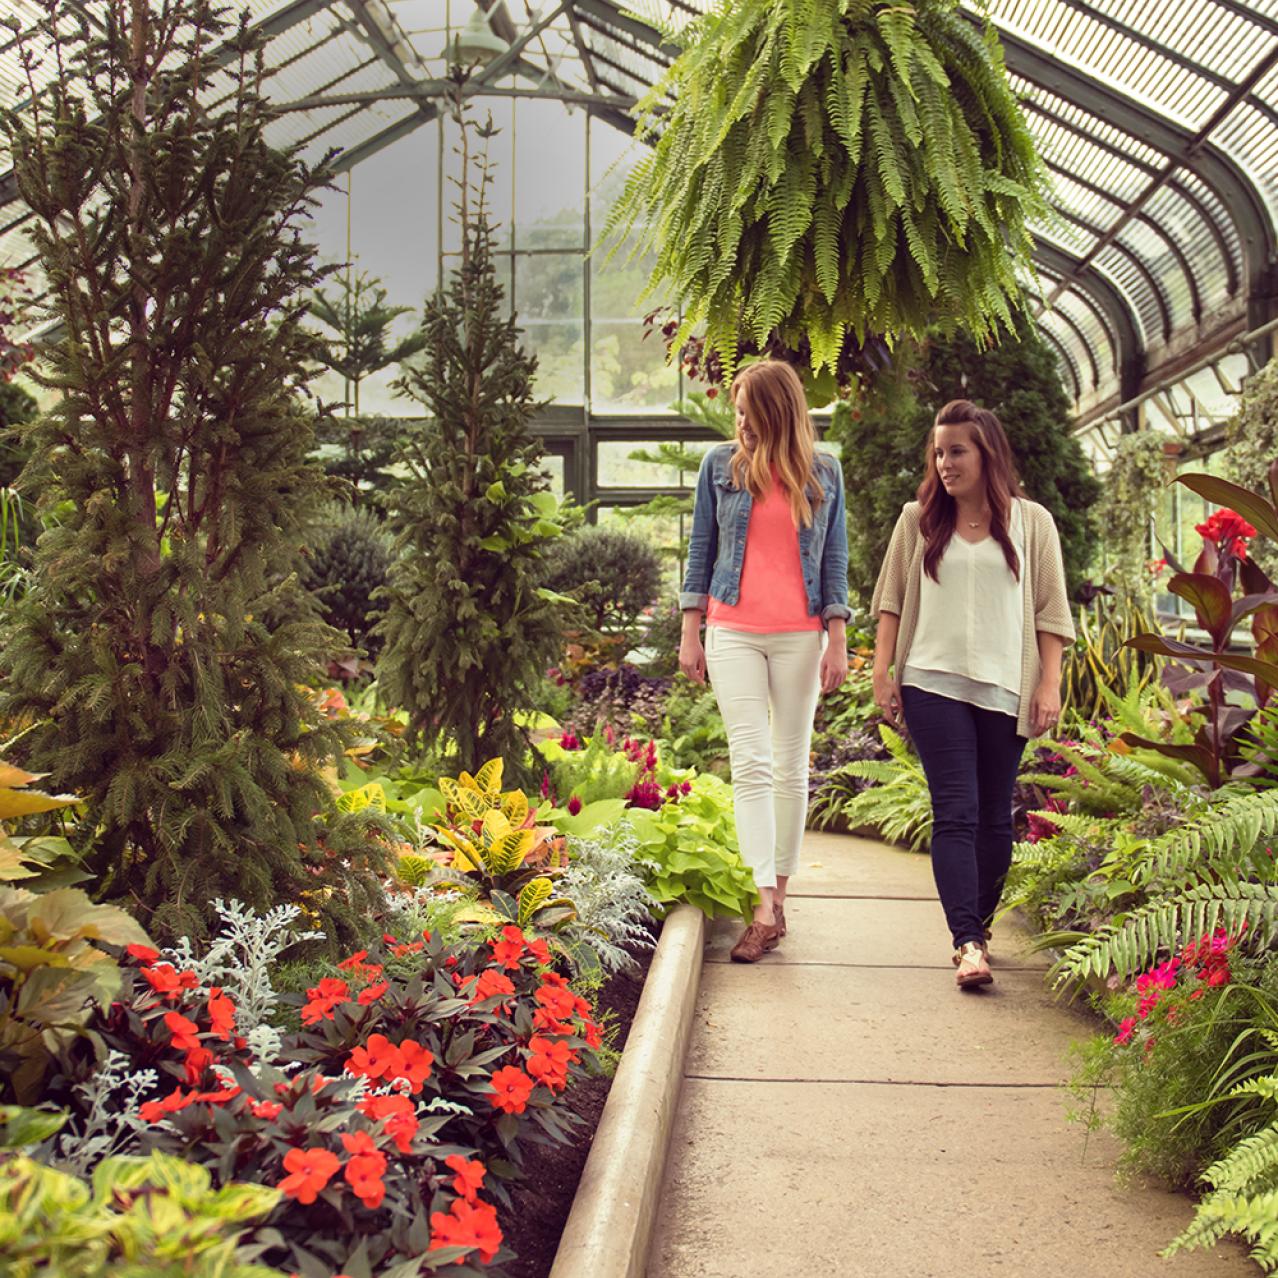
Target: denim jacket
(721,518)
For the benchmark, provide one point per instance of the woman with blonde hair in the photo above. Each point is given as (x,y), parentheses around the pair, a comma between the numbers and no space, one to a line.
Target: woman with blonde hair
(768,568)
(973,619)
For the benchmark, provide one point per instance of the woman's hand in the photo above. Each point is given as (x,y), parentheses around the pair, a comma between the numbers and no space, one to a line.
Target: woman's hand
(887,696)
(834,666)
(692,657)
(1045,707)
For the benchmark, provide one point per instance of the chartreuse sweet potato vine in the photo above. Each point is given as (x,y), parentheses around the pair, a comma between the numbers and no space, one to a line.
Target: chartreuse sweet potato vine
(829,171)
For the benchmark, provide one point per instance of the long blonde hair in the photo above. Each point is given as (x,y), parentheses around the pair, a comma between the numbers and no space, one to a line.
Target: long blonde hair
(776,410)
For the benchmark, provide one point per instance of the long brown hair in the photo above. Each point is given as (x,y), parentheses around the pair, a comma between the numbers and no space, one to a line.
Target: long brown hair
(939,515)
(777,412)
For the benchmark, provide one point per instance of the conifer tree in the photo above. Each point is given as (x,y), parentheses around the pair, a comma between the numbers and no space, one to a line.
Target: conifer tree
(171,235)
(468,629)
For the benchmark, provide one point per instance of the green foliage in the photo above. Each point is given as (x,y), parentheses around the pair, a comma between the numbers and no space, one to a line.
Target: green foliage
(693,843)
(883,430)
(154,1217)
(829,170)
(1251,444)
(52,976)
(348,559)
(898,806)
(1139,470)
(170,233)
(692,729)
(614,575)
(598,771)
(1099,664)
(469,627)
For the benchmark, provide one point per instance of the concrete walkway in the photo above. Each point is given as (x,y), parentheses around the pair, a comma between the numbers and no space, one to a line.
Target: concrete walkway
(837,1094)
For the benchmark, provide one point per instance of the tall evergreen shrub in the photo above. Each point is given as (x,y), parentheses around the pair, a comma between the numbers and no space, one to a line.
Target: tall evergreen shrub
(883,434)
(172,238)
(469,629)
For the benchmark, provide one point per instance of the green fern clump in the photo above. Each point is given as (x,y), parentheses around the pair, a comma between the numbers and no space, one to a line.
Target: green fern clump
(898,805)
(825,171)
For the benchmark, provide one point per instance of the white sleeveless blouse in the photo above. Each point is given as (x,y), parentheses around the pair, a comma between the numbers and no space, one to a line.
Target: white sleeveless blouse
(970,635)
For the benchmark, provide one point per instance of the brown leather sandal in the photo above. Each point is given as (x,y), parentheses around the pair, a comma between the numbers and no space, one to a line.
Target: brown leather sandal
(778,910)
(755,942)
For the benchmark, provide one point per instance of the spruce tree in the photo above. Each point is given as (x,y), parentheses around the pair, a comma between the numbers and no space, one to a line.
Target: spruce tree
(469,630)
(171,234)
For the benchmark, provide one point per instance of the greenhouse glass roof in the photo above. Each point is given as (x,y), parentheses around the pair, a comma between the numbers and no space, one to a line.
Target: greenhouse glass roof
(1157,119)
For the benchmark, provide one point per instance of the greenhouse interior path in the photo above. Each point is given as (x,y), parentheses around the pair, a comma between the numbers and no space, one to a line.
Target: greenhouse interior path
(846,1111)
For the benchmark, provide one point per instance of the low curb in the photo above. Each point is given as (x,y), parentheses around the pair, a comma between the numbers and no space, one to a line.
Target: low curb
(609,1228)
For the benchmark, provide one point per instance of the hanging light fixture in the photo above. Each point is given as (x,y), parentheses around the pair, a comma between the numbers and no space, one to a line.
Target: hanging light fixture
(475,42)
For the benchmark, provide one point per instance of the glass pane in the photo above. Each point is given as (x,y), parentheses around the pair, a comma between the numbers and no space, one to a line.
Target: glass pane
(552,464)
(548,307)
(550,175)
(615,468)
(628,371)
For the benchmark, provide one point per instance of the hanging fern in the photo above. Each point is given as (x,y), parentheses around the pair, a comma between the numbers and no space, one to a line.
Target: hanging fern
(826,172)
(1128,945)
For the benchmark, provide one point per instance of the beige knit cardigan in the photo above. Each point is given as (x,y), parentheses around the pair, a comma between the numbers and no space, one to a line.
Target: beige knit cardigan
(1046,599)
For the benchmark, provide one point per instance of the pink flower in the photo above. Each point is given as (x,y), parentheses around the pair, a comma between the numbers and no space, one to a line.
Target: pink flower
(1126,1029)
(574,805)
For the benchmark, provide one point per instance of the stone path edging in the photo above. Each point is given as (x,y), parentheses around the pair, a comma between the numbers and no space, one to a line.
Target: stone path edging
(610,1226)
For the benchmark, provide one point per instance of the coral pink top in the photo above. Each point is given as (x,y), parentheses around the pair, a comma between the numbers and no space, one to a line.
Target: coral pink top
(772,597)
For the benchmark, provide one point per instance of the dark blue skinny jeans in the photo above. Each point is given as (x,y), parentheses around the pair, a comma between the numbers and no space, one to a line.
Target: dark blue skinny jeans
(970,757)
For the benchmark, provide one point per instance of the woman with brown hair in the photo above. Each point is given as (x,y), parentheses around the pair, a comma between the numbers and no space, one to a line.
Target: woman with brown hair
(768,567)
(973,619)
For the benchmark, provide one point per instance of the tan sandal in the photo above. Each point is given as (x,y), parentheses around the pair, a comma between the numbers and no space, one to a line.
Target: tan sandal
(973,970)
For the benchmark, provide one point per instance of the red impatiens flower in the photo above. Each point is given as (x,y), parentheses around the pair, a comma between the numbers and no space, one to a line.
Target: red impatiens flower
(323,998)
(511,1089)
(549,1062)
(467,1225)
(221,1013)
(558,1000)
(364,1171)
(469,1179)
(355,960)
(143,953)
(185,1033)
(399,1116)
(417,1063)
(382,1059)
(310,1171)
(491,985)
(510,949)
(154,1111)
(265,1109)
(540,951)
(166,980)
(372,993)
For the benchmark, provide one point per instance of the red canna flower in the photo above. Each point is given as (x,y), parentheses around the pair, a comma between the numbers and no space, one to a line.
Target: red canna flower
(310,1171)
(511,1089)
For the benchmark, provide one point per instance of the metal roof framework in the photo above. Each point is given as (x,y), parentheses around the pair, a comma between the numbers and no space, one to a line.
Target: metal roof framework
(1157,120)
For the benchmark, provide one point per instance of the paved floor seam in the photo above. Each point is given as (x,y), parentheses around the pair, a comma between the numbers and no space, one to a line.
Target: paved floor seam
(854,896)
(890,967)
(872,1082)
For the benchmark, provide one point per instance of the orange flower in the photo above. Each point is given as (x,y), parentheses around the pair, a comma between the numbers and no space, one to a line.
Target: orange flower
(143,953)
(540,951)
(221,1013)
(372,993)
(153,1111)
(467,1225)
(311,1170)
(323,998)
(417,1063)
(198,1059)
(559,1001)
(399,1116)
(470,1175)
(491,985)
(185,1033)
(549,1062)
(166,980)
(354,961)
(548,1024)
(365,1170)
(265,1109)
(379,1058)
(511,1089)
(509,950)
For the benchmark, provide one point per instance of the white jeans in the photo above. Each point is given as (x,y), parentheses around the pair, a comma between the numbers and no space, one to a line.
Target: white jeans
(749,674)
